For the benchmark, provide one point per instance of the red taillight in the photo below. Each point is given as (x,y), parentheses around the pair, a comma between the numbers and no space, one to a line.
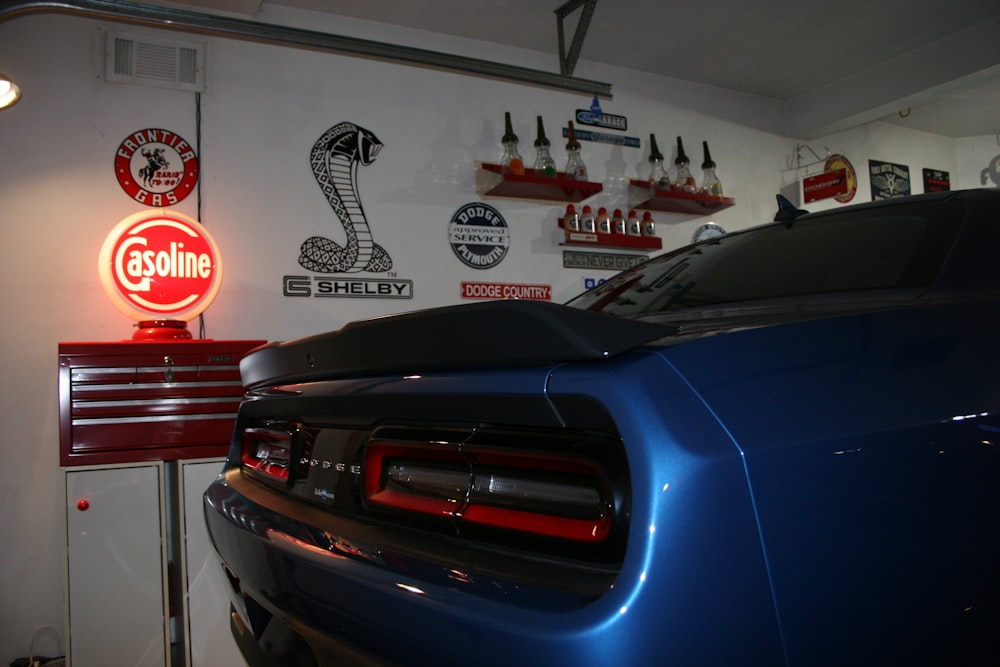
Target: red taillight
(541,494)
(426,479)
(267,453)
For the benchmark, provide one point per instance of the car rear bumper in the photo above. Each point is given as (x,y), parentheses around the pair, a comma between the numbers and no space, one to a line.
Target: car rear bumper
(689,588)
(303,590)
(297,589)
(288,643)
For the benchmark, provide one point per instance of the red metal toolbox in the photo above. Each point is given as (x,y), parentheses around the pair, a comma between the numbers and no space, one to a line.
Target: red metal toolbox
(134,401)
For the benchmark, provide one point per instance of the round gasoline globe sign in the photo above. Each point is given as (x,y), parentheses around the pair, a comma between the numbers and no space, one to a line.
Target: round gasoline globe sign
(160,265)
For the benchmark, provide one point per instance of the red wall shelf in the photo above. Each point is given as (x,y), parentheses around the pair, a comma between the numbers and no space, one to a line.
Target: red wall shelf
(674,201)
(490,182)
(599,240)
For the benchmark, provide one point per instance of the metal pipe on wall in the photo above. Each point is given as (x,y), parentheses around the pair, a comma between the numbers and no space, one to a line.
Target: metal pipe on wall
(234,28)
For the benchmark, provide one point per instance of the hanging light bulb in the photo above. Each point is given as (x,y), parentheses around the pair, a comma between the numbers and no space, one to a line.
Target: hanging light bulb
(10,92)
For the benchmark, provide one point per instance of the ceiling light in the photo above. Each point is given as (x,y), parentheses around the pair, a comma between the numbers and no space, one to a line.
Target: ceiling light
(10,92)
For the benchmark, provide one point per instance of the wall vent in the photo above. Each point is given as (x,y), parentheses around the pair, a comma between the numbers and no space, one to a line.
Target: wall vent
(152,62)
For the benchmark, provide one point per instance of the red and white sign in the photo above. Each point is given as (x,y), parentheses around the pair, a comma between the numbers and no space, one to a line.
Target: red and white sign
(160,265)
(822,186)
(156,167)
(506,291)
(835,162)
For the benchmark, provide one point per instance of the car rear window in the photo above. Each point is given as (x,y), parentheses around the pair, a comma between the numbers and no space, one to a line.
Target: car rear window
(888,247)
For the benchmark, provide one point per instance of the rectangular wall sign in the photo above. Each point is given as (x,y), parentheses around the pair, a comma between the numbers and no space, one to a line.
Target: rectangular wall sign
(888,180)
(822,186)
(472,290)
(602,137)
(573,259)
(936,180)
(606,120)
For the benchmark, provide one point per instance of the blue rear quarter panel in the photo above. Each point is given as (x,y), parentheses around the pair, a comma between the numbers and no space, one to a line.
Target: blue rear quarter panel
(873,449)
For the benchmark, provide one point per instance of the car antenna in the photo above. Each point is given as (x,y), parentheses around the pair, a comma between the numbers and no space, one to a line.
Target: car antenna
(787,211)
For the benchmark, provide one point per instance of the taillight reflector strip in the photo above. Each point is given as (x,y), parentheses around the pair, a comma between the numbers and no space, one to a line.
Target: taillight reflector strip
(580,530)
(541,494)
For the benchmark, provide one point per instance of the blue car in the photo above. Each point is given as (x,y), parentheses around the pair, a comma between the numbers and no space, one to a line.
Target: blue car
(779,446)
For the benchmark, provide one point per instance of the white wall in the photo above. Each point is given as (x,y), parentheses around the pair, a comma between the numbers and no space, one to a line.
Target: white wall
(963,159)
(263,109)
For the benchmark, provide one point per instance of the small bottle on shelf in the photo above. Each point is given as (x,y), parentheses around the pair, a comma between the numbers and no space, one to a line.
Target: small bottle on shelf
(511,161)
(575,168)
(544,164)
(588,224)
(633,225)
(603,221)
(658,178)
(710,184)
(684,181)
(648,224)
(618,222)
(571,221)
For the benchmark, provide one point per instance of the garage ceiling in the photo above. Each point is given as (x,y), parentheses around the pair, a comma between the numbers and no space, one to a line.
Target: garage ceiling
(834,64)
(927,65)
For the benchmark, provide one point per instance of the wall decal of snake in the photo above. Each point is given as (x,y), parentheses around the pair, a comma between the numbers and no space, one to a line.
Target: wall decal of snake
(334,159)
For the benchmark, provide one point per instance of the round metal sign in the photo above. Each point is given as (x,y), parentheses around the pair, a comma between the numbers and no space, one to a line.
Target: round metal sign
(156,167)
(479,236)
(160,265)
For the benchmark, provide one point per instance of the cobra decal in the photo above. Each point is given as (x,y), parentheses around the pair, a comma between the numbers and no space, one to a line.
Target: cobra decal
(334,160)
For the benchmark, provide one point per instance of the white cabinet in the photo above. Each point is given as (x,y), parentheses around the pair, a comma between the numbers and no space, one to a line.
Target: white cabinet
(117,566)
(208,638)
(125,526)
(138,421)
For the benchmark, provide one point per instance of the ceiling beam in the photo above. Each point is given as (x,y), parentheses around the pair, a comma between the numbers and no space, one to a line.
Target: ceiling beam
(567,61)
(242,29)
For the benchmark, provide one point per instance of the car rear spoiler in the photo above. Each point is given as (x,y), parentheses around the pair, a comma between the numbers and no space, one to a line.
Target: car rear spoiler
(491,334)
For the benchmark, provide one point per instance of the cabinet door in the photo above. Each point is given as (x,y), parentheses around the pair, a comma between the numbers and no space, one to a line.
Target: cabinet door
(116,567)
(209,640)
